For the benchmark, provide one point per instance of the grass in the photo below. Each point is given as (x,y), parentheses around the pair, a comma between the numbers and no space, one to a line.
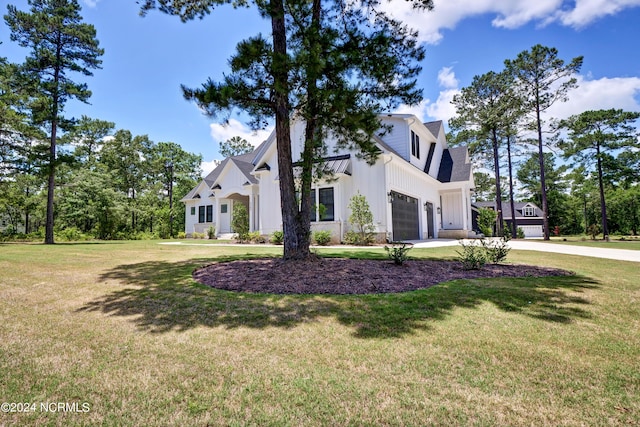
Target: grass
(123,327)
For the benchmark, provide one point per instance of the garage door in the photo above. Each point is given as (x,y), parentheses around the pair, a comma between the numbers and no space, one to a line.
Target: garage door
(404,217)
(531,230)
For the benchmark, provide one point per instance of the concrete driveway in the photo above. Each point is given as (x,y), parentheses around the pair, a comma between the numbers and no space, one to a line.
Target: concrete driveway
(533,245)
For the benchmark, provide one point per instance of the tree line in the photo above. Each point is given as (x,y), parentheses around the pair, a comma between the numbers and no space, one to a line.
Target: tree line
(583,171)
(77,177)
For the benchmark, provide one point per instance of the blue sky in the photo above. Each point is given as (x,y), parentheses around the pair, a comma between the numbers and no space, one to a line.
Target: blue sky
(146,59)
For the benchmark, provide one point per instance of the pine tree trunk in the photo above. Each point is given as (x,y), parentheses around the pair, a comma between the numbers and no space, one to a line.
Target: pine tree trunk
(496,165)
(514,225)
(543,184)
(603,206)
(295,246)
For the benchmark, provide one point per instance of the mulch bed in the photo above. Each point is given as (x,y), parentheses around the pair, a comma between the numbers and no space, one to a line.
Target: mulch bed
(338,276)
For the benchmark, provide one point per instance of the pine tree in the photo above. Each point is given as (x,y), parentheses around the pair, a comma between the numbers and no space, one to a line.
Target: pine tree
(60,44)
(335,65)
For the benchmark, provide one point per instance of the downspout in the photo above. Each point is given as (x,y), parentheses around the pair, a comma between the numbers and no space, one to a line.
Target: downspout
(386,201)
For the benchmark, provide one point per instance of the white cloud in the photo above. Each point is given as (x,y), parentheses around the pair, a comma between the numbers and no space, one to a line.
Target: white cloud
(91,3)
(602,94)
(223,132)
(507,13)
(447,78)
(207,167)
(441,108)
(587,11)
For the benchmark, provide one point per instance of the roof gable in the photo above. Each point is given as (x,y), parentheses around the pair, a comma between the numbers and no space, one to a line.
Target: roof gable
(454,166)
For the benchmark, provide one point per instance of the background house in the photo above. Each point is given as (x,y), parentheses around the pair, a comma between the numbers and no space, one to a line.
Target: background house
(529,217)
(418,188)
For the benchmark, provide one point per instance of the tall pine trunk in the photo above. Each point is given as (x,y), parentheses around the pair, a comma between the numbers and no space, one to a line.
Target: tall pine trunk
(496,165)
(295,246)
(514,225)
(51,182)
(543,183)
(603,205)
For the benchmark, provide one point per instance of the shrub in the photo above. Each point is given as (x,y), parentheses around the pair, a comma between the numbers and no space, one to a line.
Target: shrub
(211,232)
(182,235)
(277,237)
(197,235)
(476,254)
(71,234)
(361,219)
(240,221)
(398,251)
(322,237)
(486,221)
(472,256)
(594,230)
(256,237)
(520,233)
(496,250)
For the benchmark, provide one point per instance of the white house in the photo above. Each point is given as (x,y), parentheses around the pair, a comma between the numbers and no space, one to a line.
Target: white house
(419,188)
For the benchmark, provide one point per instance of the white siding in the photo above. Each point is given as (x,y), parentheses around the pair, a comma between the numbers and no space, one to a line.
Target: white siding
(452,211)
(399,138)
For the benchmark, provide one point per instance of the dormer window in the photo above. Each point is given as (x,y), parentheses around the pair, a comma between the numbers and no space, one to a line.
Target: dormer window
(529,211)
(415,145)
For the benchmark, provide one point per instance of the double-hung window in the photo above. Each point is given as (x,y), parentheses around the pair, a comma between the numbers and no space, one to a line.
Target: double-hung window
(209,213)
(200,214)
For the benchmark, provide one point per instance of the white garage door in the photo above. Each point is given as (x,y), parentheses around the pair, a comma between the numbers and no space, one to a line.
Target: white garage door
(531,230)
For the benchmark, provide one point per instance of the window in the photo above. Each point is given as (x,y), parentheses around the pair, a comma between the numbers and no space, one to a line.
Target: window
(314,206)
(223,208)
(193,210)
(529,211)
(200,214)
(415,145)
(326,199)
(209,213)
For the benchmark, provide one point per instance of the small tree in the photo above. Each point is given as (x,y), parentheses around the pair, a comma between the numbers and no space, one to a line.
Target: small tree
(486,221)
(240,221)
(361,219)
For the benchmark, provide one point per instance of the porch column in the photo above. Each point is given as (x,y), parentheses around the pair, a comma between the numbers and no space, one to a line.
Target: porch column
(252,217)
(465,209)
(216,206)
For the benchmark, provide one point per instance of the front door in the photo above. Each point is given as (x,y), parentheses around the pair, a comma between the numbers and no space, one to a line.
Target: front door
(225,216)
(430,227)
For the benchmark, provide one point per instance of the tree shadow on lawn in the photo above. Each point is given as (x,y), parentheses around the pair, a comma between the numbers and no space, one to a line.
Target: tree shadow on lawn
(162,296)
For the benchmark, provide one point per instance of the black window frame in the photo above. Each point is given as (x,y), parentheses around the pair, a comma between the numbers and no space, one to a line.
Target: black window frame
(415,145)
(209,213)
(201,214)
(329,205)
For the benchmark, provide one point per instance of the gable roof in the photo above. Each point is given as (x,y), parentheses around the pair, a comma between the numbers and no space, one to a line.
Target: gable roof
(454,166)
(434,127)
(506,208)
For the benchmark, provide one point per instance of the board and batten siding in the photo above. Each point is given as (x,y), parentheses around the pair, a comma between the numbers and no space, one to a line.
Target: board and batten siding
(411,181)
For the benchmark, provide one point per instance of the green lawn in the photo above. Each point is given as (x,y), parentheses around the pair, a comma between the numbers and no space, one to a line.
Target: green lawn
(122,327)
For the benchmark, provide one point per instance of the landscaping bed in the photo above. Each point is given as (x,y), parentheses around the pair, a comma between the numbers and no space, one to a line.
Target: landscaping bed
(349,276)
